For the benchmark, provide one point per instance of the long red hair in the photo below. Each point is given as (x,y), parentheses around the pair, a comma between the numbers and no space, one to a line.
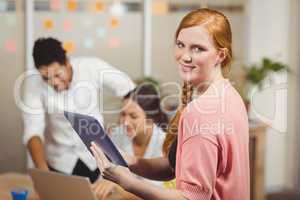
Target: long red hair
(218,27)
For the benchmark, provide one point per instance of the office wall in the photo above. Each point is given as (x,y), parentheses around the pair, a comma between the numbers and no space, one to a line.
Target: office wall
(127,56)
(12,152)
(293,163)
(268,36)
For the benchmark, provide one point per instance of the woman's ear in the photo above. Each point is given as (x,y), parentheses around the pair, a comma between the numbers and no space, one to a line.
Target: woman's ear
(68,64)
(222,54)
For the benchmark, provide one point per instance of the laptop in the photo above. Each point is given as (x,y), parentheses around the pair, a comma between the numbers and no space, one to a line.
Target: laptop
(57,186)
(90,130)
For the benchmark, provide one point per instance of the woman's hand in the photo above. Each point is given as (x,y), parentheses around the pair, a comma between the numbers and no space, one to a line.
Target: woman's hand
(117,174)
(104,188)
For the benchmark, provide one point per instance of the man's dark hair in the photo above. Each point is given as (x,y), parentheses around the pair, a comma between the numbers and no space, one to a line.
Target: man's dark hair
(47,51)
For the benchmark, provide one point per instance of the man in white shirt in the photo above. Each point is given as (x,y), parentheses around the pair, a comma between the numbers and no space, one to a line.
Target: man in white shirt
(72,84)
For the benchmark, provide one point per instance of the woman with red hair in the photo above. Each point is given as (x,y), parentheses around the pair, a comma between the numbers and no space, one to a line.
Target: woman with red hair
(207,141)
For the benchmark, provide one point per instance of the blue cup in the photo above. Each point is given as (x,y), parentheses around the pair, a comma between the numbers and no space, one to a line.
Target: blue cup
(19,194)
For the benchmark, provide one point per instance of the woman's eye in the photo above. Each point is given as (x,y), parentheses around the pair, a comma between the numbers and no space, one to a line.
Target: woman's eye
(133,116)
(45,78)
(179,45)
(197,49)
(60,73)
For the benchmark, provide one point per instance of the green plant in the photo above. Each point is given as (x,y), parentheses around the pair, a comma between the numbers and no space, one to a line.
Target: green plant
(255,74)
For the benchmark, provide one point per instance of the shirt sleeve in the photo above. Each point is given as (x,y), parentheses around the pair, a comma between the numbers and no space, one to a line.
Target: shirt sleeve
(199,168)
(116,80)
(33,113)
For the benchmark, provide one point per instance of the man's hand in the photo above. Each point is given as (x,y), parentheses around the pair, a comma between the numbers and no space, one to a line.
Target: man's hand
(104,188)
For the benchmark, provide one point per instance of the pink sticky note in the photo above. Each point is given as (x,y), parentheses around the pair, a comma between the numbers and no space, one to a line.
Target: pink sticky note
(114,42)
(10,46)
(55,5)
(67,25)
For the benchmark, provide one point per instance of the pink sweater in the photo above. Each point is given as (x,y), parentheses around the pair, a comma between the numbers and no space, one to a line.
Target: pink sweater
(212,152)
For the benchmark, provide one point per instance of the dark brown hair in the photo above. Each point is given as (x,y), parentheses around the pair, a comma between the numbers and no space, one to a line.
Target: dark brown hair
(146,95)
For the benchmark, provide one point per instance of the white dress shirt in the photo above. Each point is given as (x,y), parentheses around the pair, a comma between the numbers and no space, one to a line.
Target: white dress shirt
(154,149)
(43,107)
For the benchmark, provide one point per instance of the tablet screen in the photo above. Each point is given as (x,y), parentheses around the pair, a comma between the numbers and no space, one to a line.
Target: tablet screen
(90,130)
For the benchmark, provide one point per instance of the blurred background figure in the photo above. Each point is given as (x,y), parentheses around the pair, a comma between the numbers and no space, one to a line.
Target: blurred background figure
(141,131)
(57,90)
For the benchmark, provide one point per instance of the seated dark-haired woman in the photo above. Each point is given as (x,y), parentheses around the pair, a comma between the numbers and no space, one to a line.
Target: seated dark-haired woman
(141,132)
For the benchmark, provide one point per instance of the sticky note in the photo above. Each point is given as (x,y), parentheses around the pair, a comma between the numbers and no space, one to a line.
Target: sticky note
(10,46)
(101,32)
(160,7)
(114,42)
(67,25)
(55,5)
(3,6)
(97,6)
(114,22)
(88,43)
(72,5)
(69,46)
(48,24)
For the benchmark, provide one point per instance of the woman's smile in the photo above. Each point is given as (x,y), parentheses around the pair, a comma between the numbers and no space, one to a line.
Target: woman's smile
(187,68)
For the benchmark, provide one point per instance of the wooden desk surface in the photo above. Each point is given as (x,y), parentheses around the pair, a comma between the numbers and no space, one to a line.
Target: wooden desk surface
(9,181)
(257,152)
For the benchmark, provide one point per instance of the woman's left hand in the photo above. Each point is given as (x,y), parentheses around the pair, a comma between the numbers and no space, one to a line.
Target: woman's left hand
(115,173)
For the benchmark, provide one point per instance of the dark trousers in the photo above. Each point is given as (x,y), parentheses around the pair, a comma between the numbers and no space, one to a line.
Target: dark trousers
(81,169)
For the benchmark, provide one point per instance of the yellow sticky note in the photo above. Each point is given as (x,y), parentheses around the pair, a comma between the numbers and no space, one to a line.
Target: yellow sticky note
(72,5)
(160,7)
(114,23)
(99,6)
(69,46)
(48,24)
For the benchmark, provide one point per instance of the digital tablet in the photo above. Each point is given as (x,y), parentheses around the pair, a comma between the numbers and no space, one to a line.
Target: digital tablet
(90,130)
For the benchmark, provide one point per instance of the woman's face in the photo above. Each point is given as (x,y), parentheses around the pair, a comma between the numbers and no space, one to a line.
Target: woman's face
(133,118)
(196,55)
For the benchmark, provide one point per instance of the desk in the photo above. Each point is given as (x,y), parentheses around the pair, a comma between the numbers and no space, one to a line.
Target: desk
(9,181)
(257,160)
